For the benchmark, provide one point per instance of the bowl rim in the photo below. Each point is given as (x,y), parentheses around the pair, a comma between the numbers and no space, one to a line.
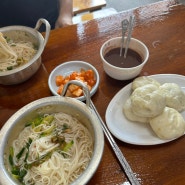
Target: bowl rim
(36,35)
(129,68)
(76,62)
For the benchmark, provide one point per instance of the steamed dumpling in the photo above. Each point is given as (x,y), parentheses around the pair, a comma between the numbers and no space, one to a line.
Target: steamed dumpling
(144,80)
(127,109)
(147,101)
(168,125)
(175,97)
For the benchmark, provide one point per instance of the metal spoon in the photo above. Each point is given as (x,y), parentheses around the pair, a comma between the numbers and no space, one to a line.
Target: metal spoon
(124,26)
(125,165)
(123,162)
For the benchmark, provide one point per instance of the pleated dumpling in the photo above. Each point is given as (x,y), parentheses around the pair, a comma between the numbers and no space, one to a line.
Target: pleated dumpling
(127,109)
(175,97)
(169,124)
(147,101)
(144,80)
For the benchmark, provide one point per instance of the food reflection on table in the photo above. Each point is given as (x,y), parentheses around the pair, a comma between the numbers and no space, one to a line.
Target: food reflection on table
(161,27)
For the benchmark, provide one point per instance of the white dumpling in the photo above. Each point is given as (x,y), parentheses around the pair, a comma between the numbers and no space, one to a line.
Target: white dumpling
(144,80)
(147,101)
(175,97)
(168,125)
(127,109)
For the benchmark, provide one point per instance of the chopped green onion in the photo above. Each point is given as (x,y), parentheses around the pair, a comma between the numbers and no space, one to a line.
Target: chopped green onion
(9,67)
(11,156)
(37,121)
(68,146)
(48,132)
(19,174)
(20,153)
(47,119)
(35,46)
(40,160)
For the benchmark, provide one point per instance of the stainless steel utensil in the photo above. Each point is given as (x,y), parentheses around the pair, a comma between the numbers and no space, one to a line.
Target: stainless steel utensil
(124,26)
(128,171)
(130,28)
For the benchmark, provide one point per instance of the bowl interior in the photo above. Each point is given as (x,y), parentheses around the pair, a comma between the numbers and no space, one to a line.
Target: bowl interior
(135,45)
(51,105)
(66,69)
(20,35)
(123,73)
(26,34)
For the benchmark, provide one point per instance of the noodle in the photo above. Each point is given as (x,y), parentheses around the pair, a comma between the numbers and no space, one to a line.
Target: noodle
(57,149)
(14,54)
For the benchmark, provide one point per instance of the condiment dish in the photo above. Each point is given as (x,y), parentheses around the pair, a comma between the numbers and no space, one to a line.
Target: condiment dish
(123,73)
(65,69)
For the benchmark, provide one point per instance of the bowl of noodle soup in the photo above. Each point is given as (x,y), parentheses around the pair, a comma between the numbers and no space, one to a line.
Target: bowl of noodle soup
(20,52)
(53,140)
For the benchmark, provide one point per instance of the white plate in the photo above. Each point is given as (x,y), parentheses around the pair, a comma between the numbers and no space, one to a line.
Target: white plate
(132,132)
(66,69)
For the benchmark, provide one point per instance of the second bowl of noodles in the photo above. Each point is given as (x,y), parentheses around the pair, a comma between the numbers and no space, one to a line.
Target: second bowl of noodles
(20,52)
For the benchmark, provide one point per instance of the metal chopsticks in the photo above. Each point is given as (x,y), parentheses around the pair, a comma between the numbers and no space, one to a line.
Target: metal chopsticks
(126,25)
(128,171)
(130,28)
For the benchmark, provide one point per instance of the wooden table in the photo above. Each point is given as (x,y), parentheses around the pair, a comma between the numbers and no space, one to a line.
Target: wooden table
(80,6)
(161,27)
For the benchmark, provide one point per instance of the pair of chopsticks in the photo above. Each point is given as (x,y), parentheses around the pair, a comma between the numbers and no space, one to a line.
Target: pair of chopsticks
(126,25)
(127,169)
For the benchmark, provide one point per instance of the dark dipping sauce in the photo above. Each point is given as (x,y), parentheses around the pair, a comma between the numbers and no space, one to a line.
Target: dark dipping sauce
(132,59)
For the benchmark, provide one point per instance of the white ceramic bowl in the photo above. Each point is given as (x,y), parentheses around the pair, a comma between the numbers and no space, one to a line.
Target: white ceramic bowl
(66,69)
(119,73)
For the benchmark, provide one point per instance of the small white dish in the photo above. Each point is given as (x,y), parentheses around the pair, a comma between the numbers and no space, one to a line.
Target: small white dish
(132,132)
(66,69)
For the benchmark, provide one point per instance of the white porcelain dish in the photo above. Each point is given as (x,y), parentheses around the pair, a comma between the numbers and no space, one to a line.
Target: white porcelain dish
(132,132)
(66,69)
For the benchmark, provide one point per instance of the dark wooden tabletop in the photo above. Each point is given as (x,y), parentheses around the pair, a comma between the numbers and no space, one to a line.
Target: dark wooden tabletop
(161,27)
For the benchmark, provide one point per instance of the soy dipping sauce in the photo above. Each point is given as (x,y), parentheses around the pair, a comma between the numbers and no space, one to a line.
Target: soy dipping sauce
(132,59)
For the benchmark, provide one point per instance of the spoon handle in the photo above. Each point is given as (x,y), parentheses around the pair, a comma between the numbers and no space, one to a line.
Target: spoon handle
(125,165)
